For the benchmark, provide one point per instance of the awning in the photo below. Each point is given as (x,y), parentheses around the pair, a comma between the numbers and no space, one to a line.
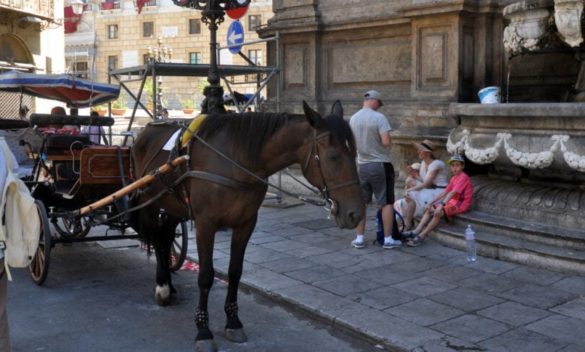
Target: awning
(76,92)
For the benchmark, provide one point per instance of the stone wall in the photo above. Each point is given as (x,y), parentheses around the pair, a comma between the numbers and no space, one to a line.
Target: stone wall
(421,55)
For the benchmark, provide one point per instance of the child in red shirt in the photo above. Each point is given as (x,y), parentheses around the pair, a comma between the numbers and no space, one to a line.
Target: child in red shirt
(456,199)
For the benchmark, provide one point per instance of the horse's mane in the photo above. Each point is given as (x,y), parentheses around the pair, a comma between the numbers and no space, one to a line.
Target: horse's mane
(247,133)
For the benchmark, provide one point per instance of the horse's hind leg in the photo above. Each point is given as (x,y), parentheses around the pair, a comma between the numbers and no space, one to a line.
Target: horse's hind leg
(234,329)
(162,248)
(205,239)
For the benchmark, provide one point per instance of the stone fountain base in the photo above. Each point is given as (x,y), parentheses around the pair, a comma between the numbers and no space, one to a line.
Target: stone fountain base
(528,162)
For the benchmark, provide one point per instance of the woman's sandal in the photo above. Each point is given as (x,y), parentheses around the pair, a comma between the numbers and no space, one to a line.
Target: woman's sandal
(416,241)
(409,235)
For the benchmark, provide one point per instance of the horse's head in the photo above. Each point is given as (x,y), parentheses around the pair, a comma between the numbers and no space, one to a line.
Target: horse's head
(330,165)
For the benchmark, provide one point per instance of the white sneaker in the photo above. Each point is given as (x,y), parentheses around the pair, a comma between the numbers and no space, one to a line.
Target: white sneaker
(358,244)
(392,244)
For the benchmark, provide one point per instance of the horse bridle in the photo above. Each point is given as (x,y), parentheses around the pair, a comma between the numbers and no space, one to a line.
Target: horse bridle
(314,152)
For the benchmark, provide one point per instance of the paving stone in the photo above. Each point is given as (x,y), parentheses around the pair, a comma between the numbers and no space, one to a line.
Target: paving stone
(287,264)
(493,266)
(364,264)
(534,275)
(315,299)
(447,344)
(284,245)
(574,308)
(400,333)
(521,340)
(560,327)
(383,297)
(471,328)
(424,312)
(466,299)
(572,348)
(315,273)
(346,285)
(537,296)
(312,237)
(316,224)
(259,255)
(573,284)
(387,274)
(264,237)
(309,251)
(489,283)
(514,313)
(452,273)
(424,286)
(334,259)
(267,280)
(417,265)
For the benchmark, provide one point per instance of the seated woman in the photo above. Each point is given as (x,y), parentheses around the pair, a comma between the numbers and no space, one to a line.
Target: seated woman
(455,199)
(433,173)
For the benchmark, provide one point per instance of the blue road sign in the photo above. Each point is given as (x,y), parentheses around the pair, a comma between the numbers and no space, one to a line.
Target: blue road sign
(235,37)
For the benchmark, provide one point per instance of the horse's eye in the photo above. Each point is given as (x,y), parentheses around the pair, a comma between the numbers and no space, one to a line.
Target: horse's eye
(333,155)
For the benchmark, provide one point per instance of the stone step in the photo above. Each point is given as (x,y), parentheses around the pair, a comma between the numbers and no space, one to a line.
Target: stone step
(498,244)
(532,231)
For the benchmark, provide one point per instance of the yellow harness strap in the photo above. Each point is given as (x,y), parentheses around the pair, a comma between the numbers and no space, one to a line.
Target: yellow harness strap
(192,129)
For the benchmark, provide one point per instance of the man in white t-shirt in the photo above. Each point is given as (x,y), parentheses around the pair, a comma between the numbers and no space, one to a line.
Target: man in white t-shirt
(376,173)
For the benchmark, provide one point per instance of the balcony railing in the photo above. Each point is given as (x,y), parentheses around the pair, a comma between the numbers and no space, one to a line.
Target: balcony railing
(40,8)
(110,5)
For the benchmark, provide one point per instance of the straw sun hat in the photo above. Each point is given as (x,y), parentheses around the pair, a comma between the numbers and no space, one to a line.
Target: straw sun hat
(425,146)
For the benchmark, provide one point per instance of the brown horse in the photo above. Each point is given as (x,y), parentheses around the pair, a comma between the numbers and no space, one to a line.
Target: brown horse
(223,186)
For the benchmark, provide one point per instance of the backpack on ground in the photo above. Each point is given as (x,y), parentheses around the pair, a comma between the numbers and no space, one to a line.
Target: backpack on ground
(397,227)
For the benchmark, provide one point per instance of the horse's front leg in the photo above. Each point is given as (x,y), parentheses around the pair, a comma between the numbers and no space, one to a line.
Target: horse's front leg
(162,248)
(234,329)
(205,240)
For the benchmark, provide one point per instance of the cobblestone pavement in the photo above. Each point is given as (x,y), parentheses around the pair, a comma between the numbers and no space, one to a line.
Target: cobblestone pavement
(426,298)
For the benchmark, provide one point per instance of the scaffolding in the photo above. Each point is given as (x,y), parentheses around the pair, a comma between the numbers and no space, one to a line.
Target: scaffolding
(155,69)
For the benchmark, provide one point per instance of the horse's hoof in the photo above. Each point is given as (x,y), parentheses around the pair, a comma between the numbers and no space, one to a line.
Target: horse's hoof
(162,295)
(205,346)
(236,335)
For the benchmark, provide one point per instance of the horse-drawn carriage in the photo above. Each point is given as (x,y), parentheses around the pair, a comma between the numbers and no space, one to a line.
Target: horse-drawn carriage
(223,183)
(66,171)
(69,173)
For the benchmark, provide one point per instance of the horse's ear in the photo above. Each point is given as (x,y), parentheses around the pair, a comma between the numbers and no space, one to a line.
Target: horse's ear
(336,109)
(312,116)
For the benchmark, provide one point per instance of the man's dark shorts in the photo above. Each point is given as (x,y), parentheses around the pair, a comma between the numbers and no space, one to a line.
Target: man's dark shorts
(377,179)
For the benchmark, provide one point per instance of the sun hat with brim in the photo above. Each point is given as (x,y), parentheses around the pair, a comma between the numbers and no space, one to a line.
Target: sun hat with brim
(457,158)
(374,94)
(415,166)
(425,146)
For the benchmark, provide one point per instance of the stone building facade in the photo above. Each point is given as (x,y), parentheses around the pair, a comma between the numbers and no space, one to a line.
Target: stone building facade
(31,40)
(421,55)
(117,36)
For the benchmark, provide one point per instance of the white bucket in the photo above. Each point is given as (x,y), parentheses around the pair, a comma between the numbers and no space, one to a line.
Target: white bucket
(489,95)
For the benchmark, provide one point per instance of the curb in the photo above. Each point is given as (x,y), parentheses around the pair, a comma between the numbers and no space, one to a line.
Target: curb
(377,341)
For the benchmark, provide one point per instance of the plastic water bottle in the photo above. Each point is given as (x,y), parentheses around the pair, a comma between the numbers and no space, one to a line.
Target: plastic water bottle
(470,244)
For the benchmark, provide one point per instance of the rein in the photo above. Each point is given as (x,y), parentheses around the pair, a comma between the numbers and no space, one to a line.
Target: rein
(327,202)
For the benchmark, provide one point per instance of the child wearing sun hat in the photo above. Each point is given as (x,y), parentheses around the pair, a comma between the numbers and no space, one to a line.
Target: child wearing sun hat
(455,199)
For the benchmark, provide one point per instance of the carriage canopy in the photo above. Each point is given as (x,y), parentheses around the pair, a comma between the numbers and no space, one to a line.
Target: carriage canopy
(74,91)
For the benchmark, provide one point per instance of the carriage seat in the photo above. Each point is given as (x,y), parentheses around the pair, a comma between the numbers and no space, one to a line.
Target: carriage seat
(58,144)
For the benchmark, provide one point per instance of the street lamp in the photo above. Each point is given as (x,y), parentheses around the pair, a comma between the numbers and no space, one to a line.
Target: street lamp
(212,14)
(77,6)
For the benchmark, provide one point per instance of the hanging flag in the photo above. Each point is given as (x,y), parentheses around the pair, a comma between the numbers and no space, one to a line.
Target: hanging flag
(140,4)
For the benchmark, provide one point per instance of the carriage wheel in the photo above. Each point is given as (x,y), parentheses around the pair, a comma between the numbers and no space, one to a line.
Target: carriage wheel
(39,267)
(179,247)
(73,228)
